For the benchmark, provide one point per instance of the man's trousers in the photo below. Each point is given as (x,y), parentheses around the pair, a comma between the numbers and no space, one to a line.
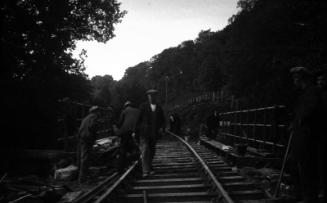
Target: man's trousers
(148,147)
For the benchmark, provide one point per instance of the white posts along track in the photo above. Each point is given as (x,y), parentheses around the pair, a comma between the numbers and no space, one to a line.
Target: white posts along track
(184,172)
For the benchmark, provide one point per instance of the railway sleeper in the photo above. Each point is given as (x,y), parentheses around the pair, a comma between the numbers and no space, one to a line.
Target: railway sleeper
(178,178)
(168,181)
(171,197)
(170,188)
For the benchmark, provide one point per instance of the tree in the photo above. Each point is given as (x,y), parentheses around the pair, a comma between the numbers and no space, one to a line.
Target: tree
(102,86)
(135,82)
(250,58)
(38,69)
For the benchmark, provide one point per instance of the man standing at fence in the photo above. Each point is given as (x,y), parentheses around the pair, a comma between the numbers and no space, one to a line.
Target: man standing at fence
(322,84)
(213,125)
(127,132)
(86,137)
(307,134)
(151,124)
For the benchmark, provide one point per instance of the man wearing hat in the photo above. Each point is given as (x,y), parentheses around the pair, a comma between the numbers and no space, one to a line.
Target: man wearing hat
(86,138)
(151,121)
(306,127)
(127,132)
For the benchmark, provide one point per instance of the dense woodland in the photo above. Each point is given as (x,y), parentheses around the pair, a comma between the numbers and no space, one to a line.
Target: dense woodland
(250,58)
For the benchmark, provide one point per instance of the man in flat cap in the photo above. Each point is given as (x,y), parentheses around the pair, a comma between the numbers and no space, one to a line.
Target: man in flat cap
(127,132)
(151,122)
(306,127)
(86,137)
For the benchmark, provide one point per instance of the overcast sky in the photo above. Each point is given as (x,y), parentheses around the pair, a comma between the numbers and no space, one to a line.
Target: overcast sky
(151,26)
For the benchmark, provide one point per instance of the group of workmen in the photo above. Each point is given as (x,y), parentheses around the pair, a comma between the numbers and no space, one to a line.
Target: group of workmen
(141,127)
(138,130)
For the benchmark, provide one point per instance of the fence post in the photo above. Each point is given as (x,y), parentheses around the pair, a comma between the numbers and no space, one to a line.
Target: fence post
(264,128)
(239,127)
(235,126)
(274,127)
(254,126)
(247,127)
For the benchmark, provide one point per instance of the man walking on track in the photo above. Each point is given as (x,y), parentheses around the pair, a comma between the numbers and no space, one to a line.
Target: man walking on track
(151,123)
(127,133)
(86,137)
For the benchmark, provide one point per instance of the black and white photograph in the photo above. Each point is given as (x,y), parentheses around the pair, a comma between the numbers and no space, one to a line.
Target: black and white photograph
(163,101)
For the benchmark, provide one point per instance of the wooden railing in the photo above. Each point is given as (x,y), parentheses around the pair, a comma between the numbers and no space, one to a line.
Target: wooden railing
(207,97)
(262,128)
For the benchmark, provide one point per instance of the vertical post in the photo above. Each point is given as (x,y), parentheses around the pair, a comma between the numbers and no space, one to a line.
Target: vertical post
(274,127)
(254,125)
(247,127)
(239,129)
(226,127)
(166,88)
(264,127)
(65,124)
(235,125)
(277,189)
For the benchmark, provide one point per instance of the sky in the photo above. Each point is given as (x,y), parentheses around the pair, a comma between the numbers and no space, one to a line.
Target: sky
(149,27)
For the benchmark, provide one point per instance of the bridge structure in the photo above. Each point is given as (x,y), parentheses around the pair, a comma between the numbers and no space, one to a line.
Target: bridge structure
(188,172)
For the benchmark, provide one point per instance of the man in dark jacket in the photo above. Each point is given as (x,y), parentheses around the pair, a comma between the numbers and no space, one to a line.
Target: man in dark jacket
(86,136)
(213,125)
(322,84)
(306,127)
(175,123)
(151,123)
(127,131)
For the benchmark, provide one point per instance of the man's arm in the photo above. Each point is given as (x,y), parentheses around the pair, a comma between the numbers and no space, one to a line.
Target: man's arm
(140,117)
(93,125)
(121,119)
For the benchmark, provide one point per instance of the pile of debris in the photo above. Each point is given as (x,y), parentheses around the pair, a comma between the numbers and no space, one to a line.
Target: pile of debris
(30,189)
(266,179)
(58,183)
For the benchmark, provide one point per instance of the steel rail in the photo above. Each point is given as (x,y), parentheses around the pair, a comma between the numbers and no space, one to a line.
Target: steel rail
(114,186)
(220,188)
(86,197)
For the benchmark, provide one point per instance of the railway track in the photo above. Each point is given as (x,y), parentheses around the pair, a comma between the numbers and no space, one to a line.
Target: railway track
(183,173)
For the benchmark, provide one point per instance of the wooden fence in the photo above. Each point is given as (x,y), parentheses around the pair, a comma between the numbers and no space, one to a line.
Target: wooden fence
(207,97)
(262,128)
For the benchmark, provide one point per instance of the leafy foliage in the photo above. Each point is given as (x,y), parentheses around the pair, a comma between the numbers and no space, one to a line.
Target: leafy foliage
(250,57)
(38,69)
